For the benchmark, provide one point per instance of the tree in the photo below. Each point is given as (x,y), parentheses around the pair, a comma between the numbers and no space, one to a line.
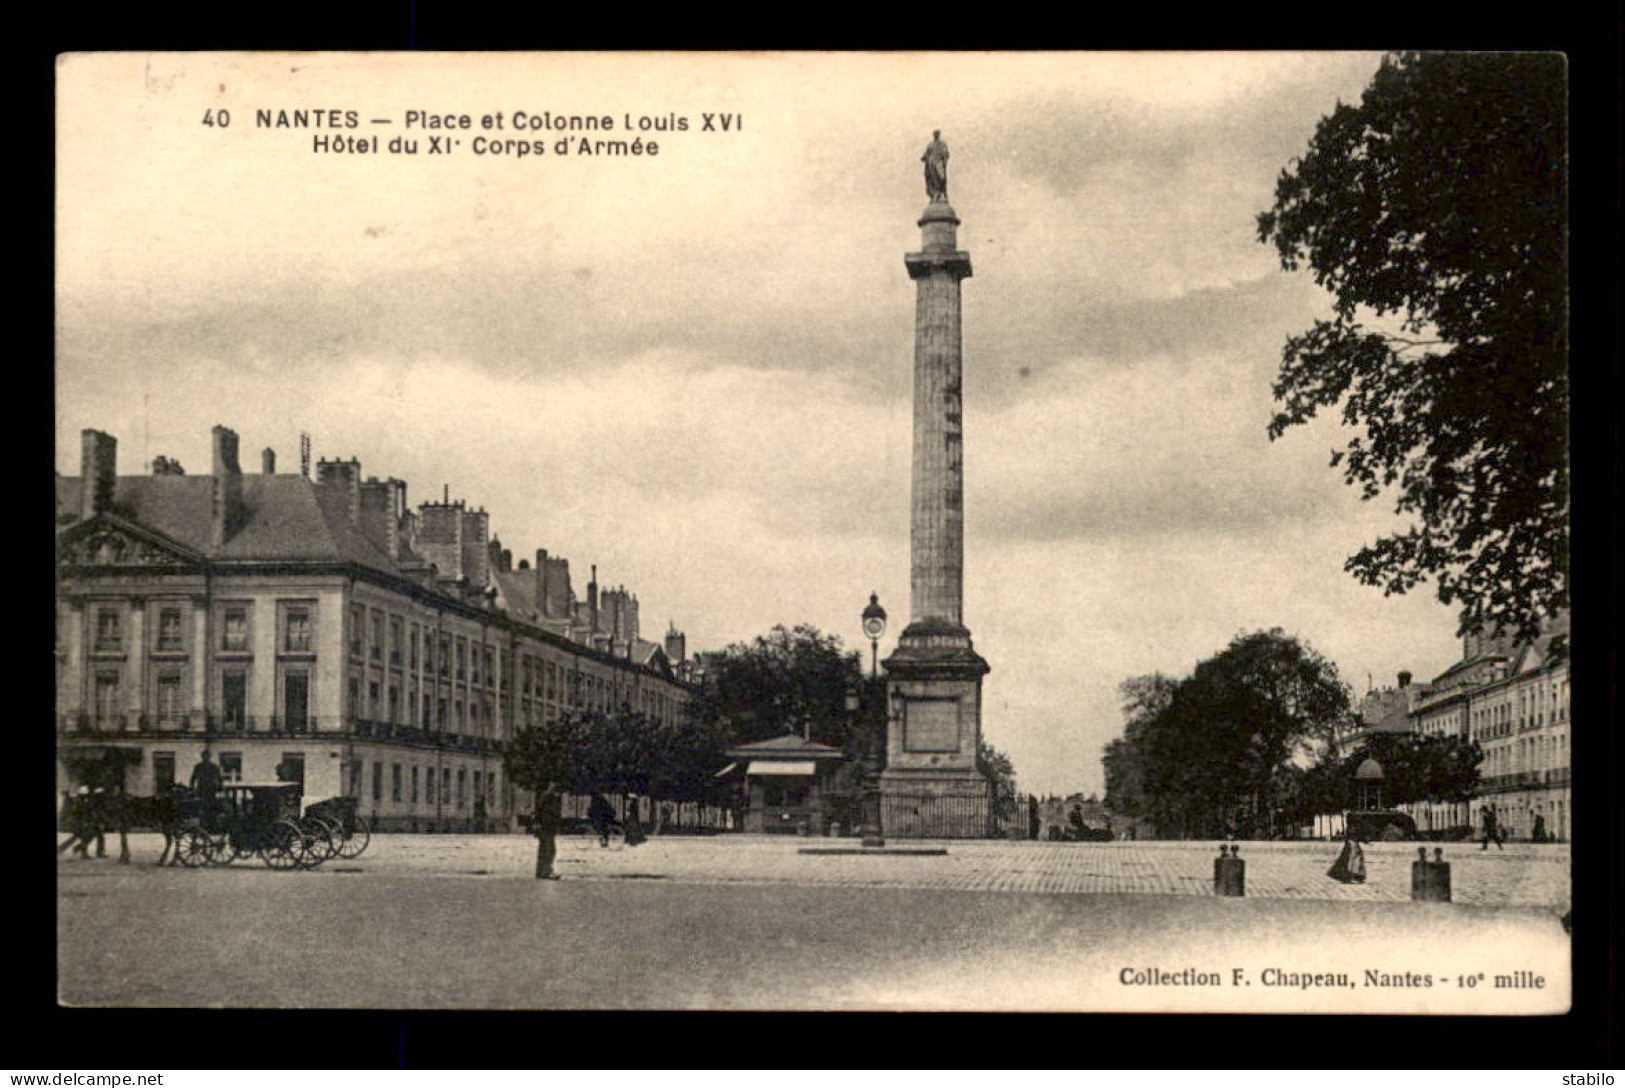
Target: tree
(1418,768)
(1210,754)
(1001,776)
(790,680)
(1434,213)
(1145,702)
(545,760)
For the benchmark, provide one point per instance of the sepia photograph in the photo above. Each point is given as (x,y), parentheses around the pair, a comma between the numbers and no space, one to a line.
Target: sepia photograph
(989,532)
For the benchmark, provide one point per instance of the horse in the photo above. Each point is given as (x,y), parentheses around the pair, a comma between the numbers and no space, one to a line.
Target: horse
(169,813)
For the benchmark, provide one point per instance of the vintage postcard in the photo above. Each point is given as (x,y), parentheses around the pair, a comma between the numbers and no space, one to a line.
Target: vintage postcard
(810,531)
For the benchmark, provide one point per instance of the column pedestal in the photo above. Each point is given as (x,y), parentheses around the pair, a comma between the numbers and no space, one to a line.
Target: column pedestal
(932,787)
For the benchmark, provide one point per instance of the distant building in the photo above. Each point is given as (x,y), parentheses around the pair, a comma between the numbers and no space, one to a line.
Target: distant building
(1383,710)
(324,631)
(1513,700)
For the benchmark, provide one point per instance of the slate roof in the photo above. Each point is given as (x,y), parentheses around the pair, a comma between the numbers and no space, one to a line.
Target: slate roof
(287,517)
(517,592)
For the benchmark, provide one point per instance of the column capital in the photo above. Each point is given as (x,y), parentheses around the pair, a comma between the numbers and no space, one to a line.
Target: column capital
(956,263)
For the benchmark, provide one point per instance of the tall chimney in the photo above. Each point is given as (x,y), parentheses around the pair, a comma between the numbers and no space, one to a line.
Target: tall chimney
(380,520)
(342,478)
(98,471)
(268,461)
(592,601)
(228,487)
(676,645)
(543,577)
(476,557)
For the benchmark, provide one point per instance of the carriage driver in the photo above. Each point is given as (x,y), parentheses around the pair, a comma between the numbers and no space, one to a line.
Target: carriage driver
(206,783)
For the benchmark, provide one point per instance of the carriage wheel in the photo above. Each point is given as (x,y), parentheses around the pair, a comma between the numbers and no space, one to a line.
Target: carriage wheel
(335,835)
(284,846)
(221,850)
(193,847)
(317,842)
(357,840)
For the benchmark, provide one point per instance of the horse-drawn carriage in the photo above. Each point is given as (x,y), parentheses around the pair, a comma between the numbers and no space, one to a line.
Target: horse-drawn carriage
(265,820)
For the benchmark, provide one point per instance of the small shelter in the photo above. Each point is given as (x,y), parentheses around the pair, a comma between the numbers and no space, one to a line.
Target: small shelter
(785,782)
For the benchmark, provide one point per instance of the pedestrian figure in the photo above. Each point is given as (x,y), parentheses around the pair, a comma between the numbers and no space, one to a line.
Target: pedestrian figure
(634,827)
(602,817)
(1349,868)
(1492,829)
(206,782)
(93,817)
(545,824)
(1539,834)
(76,821)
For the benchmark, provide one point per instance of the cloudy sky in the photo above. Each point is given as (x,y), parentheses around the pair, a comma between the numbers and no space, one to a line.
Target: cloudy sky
(694,369)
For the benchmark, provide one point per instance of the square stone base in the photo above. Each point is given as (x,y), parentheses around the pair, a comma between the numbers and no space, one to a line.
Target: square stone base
(927,806)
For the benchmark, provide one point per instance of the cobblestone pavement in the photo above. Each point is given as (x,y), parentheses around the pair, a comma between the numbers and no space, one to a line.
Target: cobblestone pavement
(1523,875)
(739,922)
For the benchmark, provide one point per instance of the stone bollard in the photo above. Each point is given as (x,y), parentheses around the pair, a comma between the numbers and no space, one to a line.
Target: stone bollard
(1430,880)
(1229,872)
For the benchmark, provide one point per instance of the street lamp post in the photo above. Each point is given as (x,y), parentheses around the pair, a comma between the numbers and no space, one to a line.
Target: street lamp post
(874,625)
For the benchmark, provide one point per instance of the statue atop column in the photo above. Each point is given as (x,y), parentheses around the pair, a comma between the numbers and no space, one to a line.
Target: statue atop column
(936,167)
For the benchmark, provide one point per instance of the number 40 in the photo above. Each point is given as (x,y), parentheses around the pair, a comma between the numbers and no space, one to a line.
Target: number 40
(217,118)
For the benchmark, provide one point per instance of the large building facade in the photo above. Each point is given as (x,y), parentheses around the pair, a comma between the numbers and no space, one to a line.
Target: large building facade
(1513,700)
(319,630)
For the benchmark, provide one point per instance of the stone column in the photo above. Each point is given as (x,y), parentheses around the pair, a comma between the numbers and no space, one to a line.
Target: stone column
(137,704)
(932,786)
(74,673)
(262,665)
(937,524)
(197,660)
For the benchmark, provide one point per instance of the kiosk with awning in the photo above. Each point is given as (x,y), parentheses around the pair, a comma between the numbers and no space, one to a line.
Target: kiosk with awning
(785,779)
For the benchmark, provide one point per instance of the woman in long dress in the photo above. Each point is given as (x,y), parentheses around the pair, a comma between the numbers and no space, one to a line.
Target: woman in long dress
(634,827)
(602,817)
(1349,868)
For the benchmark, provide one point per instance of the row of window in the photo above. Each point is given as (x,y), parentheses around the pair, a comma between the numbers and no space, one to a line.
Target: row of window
(234,628)
(449,656)
(169,701)
(1537,753)
(553,683)
(483,787)
(230,764)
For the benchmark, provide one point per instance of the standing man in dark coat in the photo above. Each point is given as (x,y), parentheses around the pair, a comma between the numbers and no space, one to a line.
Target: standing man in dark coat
(545,824)
(1492,829)
(206,782)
